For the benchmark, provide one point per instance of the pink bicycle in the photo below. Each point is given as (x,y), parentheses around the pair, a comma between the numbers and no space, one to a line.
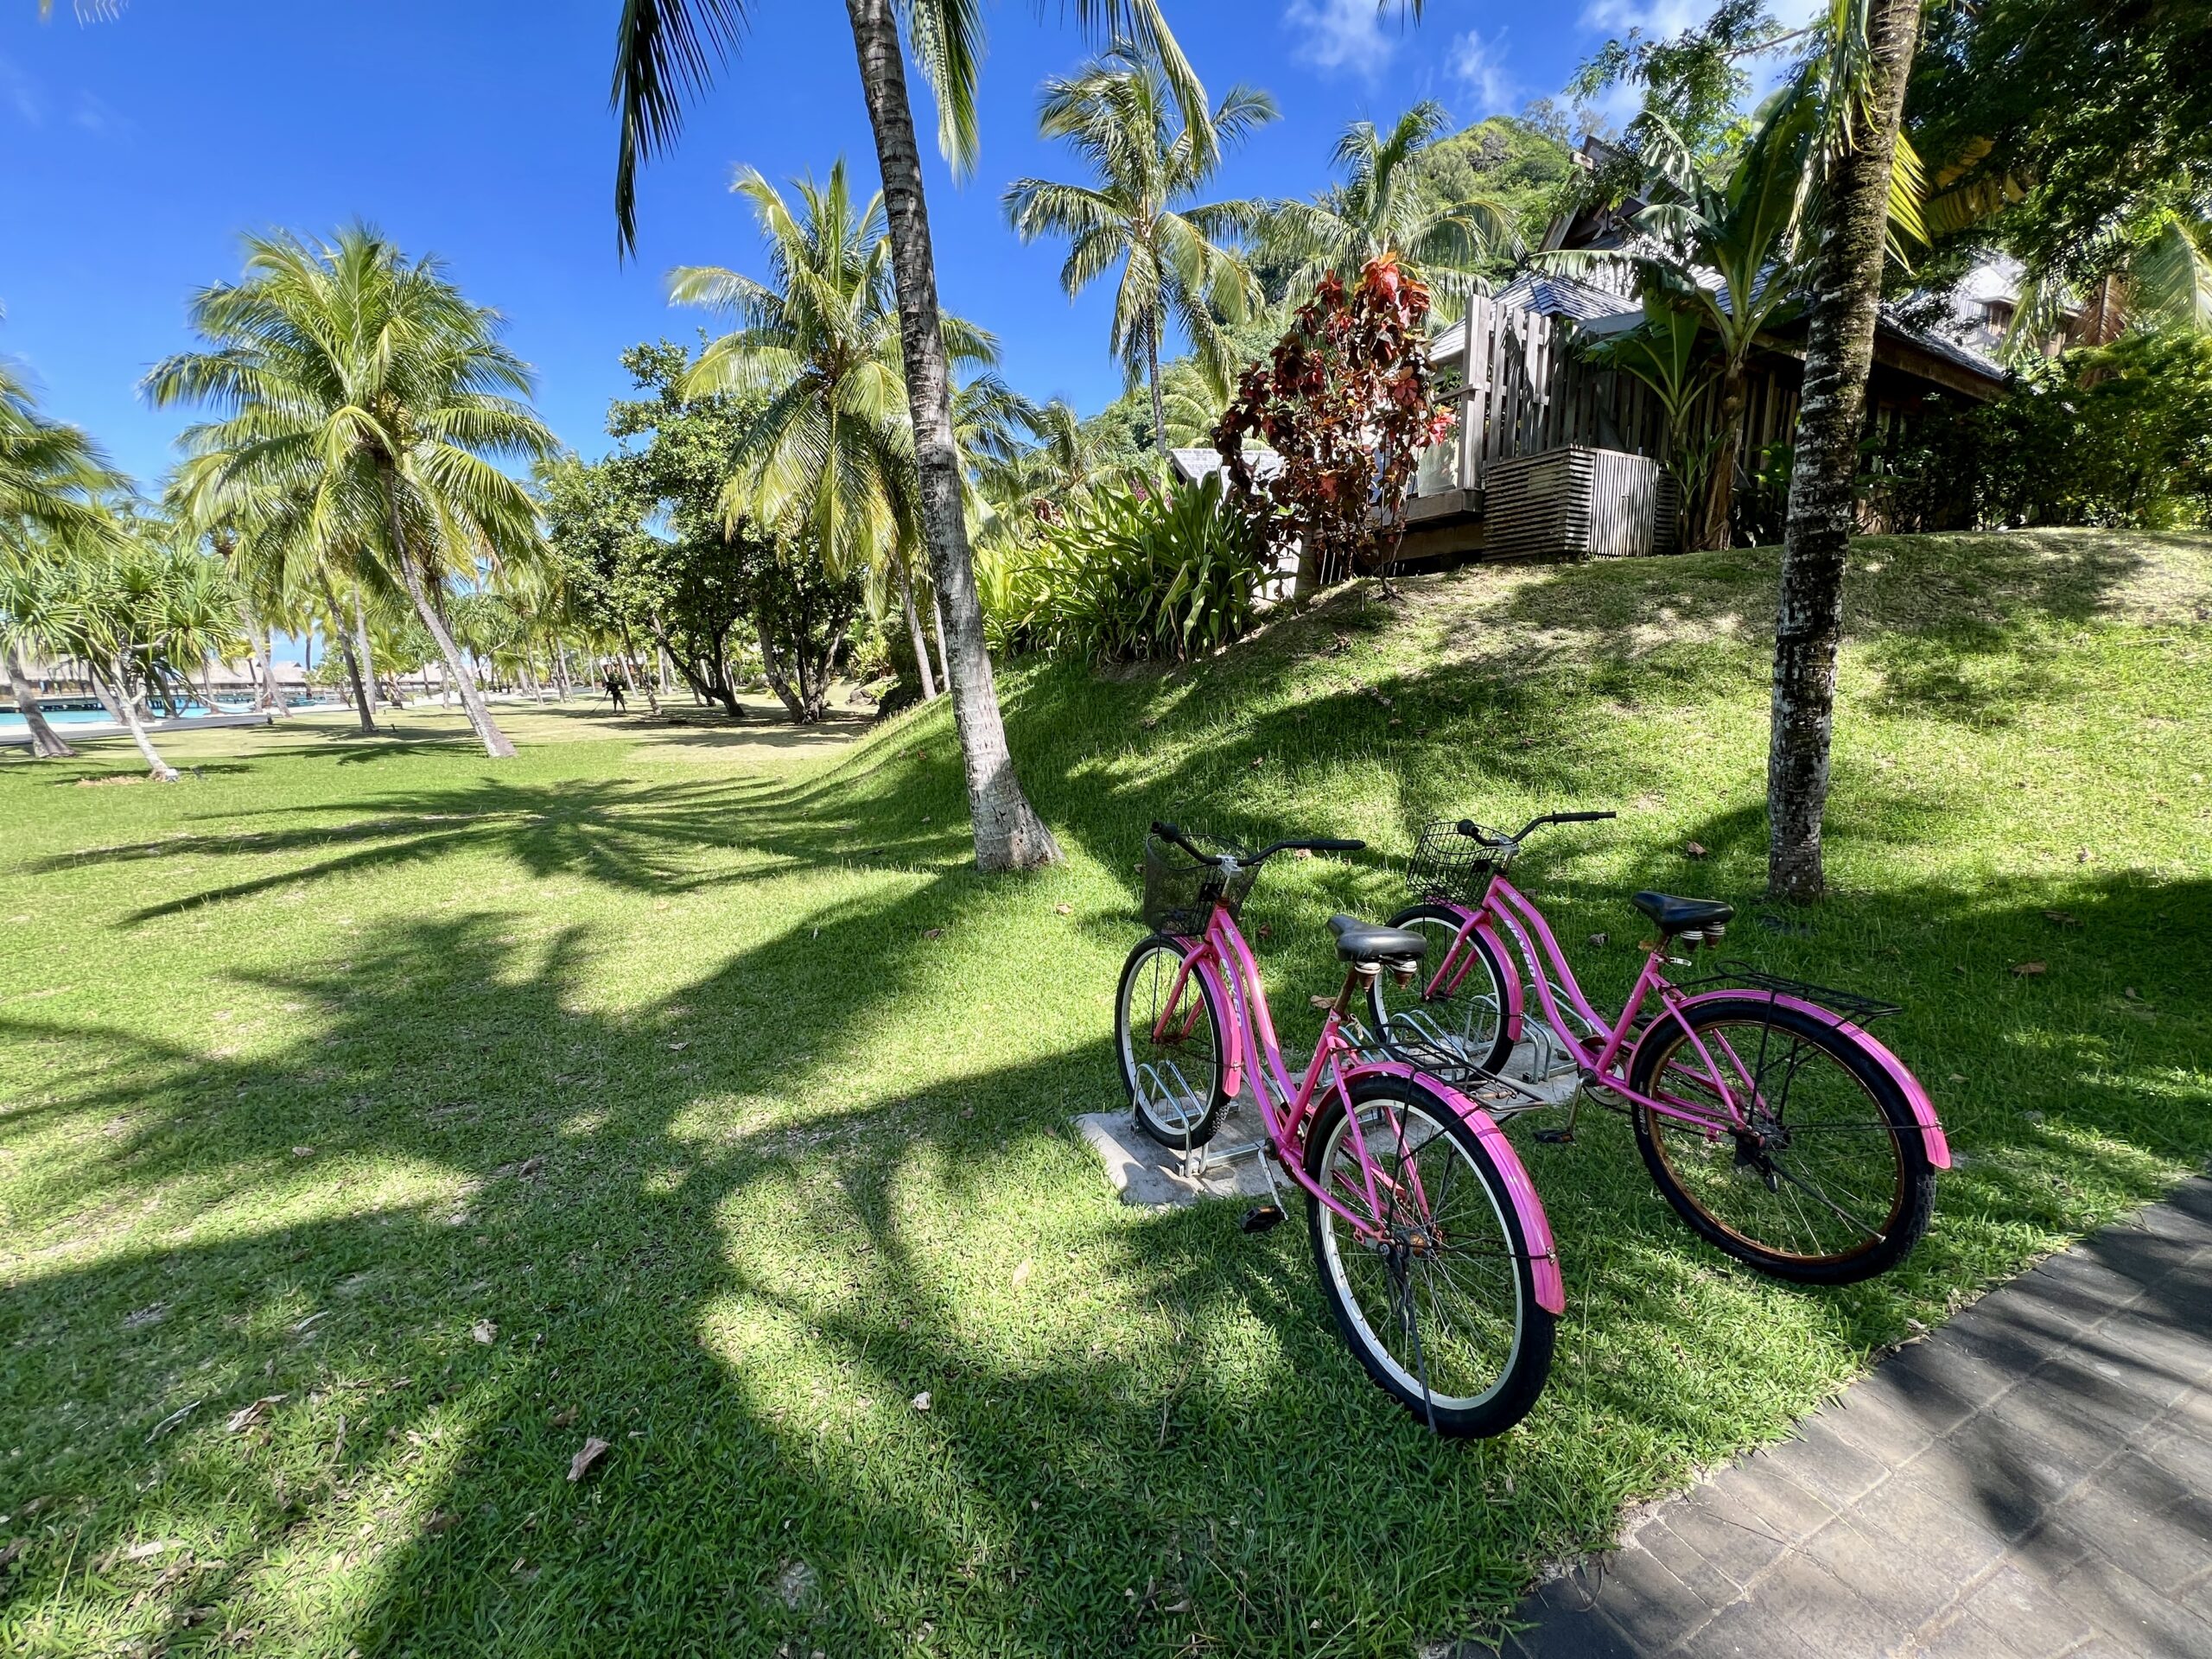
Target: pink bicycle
(1432,1246)
(1776,1126)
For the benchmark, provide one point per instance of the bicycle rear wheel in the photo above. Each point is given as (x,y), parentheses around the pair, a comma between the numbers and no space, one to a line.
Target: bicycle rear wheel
(1173,1045)
(1463,1023)
(1830,1184)
(1441,1308)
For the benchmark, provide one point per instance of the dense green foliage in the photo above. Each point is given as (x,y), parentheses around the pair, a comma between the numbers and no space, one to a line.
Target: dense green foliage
(1132,572)
(1526,169)
(2118,435)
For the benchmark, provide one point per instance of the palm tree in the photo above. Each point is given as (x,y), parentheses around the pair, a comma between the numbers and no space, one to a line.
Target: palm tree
(2160,278)
(830,453)
(1384,207)
(666,53)
(1120,115)
(1859,88)
(51,478)
(369,390)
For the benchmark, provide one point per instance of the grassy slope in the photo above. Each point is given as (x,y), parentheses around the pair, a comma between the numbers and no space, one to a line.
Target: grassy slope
(278,1048)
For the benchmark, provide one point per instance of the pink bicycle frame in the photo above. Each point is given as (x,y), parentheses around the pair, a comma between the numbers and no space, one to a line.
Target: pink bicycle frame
(1224,964)
(1597,1047)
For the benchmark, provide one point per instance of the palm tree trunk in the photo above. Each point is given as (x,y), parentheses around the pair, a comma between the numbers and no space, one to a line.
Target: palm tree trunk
(1721,489)
(45,743)
(264,668)
(1152,374)
(936,613)
(914,630)
(346,649)
(1839,353)
(361,651)
(1008,833)
(496,742)
(162,771)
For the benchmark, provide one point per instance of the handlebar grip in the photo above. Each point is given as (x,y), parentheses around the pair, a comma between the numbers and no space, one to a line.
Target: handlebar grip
(1334,845)
(1581,817)
(1169,832)
(1474,831)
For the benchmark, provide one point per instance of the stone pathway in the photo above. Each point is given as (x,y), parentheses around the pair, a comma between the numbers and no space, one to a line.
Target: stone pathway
(2033,1480)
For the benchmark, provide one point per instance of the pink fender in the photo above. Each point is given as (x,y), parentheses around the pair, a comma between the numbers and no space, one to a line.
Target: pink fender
(1923,1110)
(1535,1227)
(1210,976)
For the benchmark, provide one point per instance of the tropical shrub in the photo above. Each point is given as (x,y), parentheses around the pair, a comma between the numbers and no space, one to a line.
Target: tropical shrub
(1136,572)
(1346,402)
(2118,436)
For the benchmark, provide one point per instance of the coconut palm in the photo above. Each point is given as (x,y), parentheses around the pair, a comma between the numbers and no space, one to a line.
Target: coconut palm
(51,478)
(1863,183)
(366,389)
(666,53)
(829,457)
(2160,276)
(1384,207)
(1119,114)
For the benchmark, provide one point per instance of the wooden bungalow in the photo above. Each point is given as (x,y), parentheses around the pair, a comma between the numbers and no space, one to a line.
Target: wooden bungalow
(1553,455)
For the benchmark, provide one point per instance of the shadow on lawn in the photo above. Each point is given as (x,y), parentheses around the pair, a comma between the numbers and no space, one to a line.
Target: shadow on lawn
(738,1274)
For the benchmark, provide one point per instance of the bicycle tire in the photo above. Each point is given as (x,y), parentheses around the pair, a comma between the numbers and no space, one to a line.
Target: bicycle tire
(1443,922)
(1166,952)
(1912,1177)
(1527,1363)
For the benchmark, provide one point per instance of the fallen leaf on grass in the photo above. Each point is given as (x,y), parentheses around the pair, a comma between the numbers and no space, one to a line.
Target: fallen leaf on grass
(440,1521)
(484,1331)
(14,1548)
(1597,939)
(1062,910)
(677,1048)
(932,932)
(1022,1273)
(148,1550)
(563,1417)
(531,1165)
(580,1465)
(2061,917)
(2128,991)
(302,1152)
(246,1416)
(1693,849)
(2028,969)
(920,1402)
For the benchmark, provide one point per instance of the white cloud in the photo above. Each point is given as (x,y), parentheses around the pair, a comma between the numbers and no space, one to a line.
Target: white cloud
(19,95)
(1475,65)
(1342,35)
(95,115)
(1660,20)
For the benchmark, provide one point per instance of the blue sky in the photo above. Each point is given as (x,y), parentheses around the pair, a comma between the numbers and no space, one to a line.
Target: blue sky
(134,152)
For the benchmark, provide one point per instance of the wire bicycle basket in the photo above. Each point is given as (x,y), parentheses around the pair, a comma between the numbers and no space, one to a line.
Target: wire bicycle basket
(1449,866)
(1179,893)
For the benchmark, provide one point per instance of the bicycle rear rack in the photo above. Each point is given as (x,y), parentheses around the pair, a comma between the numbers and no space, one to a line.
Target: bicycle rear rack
(1857,1009)
(1428,1049)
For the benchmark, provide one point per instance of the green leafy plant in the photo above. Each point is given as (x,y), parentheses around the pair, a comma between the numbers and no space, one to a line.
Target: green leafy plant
(1139,571)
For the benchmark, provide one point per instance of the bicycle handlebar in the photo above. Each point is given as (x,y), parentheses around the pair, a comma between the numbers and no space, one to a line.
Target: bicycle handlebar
(1474,831)
(1311,844)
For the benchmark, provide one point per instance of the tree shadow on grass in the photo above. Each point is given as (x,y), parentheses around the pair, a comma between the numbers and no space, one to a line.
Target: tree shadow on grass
(703,1228)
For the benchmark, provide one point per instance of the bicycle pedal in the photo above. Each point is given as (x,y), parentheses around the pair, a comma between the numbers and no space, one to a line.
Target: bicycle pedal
(1260,1217)
(1556,1137)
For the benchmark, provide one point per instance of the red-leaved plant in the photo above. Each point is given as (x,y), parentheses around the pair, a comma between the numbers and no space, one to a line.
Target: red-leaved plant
(1346,400)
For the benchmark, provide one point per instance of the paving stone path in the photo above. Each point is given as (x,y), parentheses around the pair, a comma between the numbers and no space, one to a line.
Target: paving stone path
(2032,1480)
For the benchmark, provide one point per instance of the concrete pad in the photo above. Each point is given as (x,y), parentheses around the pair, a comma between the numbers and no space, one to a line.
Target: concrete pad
(1145,1172)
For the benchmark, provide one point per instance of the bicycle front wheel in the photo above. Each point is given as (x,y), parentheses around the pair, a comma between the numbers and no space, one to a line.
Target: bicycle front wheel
(1440,1306)
(1827,1184)
(1173,1044)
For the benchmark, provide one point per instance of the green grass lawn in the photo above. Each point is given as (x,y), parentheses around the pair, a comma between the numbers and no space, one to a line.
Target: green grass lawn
(378,1123)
